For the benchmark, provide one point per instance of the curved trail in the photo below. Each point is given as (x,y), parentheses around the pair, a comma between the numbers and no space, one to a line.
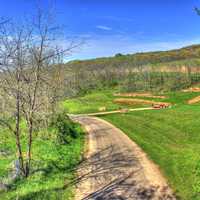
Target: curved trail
(116,168)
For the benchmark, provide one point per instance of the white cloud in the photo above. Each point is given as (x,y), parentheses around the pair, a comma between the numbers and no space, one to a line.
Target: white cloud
(105,28)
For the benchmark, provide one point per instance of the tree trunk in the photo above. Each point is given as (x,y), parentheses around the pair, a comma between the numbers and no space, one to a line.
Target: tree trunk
(17,134)
(28,161)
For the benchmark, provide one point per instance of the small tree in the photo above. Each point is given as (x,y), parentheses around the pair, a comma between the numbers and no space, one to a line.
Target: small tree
(27,53)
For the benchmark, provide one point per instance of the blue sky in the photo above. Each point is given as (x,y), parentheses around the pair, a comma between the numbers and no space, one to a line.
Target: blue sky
(121,26)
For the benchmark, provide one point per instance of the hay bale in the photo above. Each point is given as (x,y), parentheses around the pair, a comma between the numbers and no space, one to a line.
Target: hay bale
(101,109)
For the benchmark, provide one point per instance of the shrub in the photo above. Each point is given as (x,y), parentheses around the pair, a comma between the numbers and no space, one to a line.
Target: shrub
(66,129)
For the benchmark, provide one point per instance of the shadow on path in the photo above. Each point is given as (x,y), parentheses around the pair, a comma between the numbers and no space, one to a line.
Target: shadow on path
(113,171)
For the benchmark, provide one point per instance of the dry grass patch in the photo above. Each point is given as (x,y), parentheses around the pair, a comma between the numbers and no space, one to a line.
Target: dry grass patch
(126,101)
(150,95)
(192,89)
(194,100)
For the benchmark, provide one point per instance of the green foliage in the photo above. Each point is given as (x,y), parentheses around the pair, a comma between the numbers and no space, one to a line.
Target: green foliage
(53,162)
(118,55)
(153,71)
(66,129)
(158,81)
(139,59)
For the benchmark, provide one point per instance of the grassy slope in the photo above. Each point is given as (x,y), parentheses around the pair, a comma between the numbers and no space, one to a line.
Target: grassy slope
(168,136)
(92,102)
(56,163)
(171,138)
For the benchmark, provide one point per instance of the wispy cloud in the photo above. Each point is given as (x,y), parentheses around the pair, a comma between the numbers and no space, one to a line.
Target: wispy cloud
(105,28)
(117,18)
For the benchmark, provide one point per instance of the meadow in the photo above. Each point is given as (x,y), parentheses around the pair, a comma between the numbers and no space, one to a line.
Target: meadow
(170,137)
(93,102)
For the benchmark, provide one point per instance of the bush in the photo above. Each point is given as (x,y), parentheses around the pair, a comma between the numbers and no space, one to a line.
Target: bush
(66,129)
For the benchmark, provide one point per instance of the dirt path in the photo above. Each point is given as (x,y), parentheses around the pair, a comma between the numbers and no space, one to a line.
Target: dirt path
(113,112)
(194,100)
(115,168)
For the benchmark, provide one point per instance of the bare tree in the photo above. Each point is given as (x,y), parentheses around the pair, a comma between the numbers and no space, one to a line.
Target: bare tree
(27,53)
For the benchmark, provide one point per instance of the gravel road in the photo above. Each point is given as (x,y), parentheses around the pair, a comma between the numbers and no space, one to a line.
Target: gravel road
(115,168)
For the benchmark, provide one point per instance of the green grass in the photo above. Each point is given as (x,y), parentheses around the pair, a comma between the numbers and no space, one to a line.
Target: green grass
(175,98)
(91,103)
(171,138)
(54,164)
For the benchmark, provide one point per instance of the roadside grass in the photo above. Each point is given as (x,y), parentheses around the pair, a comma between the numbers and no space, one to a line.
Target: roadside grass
(53,166)
(171,138)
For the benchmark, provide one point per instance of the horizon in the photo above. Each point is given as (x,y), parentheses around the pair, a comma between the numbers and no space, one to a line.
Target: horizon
(125,27)
(137,52)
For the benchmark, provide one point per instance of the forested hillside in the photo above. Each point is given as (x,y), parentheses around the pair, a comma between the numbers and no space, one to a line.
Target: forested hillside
(187,55)
(162,70)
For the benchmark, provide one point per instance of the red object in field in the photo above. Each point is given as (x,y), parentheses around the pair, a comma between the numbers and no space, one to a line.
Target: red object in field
(159,106)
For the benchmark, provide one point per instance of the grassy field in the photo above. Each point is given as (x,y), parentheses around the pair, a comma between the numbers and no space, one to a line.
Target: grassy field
(53,165)
(89,103)
(170,137)
(92,102)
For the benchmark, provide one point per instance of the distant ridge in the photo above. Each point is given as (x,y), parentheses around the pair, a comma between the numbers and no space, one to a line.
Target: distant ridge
(189,55)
